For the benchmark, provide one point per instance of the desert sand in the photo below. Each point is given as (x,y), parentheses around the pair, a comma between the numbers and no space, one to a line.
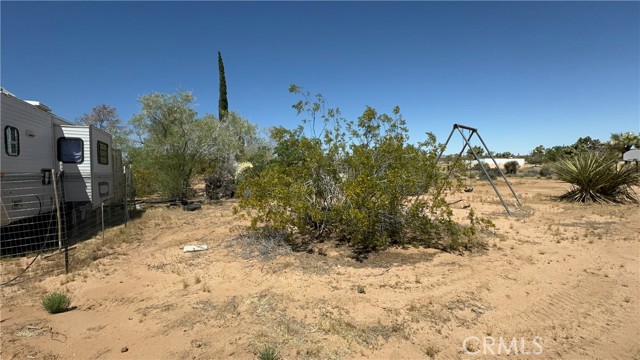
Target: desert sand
(562,279)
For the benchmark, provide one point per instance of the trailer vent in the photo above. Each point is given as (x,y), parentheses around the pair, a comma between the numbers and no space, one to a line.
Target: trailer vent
(103,189)
(39,105)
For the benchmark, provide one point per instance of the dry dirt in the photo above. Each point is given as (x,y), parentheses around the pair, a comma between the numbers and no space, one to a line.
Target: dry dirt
(562,279)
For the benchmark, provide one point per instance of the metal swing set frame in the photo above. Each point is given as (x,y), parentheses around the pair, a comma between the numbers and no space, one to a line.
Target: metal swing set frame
(467,139)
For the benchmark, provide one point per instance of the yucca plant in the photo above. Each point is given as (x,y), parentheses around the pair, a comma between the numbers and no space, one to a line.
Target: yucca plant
(596,178)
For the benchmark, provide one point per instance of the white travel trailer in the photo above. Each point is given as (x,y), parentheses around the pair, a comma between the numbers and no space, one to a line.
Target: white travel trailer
(35,142)
(86,157)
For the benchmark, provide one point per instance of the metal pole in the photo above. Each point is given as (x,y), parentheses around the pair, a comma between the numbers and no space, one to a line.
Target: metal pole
(484,170)
(102,218)
(63,201)
(455,126)
(57,199)
(445,144)
(501,173)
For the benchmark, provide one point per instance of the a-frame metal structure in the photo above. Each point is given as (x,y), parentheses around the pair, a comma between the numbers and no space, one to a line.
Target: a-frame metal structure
(467,139)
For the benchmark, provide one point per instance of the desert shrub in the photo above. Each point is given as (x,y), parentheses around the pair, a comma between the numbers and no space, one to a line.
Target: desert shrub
(354,182)
(56,302)
(478,167)
(511,167)
(493,174)
(221,183)
(546,171)
(531,172)
(268,353)
(595,178)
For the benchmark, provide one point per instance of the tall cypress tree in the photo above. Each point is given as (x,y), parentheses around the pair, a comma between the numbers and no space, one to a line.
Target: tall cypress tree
(223,103)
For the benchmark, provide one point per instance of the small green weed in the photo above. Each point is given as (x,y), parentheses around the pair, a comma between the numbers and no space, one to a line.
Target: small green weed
(268,353)
(56,302)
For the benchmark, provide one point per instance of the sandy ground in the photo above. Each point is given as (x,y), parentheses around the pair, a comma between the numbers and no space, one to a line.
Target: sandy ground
(563,280)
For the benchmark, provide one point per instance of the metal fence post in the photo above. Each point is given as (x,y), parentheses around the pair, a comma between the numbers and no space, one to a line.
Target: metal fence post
(64,211)
(57,199)
(102,218)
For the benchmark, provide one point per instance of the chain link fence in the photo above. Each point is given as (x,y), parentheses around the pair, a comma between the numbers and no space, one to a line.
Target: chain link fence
(39,227)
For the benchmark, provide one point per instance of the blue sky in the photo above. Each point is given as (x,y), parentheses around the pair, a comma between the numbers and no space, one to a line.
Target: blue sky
(523,73)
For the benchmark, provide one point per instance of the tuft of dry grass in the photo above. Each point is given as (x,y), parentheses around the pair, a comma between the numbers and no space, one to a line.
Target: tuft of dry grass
(431,351)
(255,244)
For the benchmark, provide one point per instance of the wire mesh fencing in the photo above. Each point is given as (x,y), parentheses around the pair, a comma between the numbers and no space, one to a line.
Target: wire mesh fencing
(88,222)
(40,226)
(30,225)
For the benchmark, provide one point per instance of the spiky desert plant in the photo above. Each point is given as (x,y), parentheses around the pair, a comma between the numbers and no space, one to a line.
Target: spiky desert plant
(56,302)
(268,353)
(596,178)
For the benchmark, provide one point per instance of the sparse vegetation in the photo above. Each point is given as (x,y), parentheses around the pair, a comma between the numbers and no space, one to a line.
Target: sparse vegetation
(546,171)
(56,302)
(268,353)
(315,313)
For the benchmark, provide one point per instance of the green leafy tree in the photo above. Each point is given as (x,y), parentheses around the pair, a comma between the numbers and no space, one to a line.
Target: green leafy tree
(174,144)
(504,155)
(586,144)
(479,150)
(233,142)
(623,142)
(105,117)
(223,103)
(537,155)
(557,152)
(173,141)
(359,181)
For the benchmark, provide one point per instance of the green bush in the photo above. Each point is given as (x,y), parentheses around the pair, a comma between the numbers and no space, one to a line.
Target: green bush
(532,172)
(56,302)
(595,178)
(356,182)
(511,167)
(546,171)
(478,167)
(268,353)
(493,174)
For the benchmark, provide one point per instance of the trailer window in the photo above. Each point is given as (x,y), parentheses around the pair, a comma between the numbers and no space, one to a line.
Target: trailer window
(103,153)
(11,141)
(71,150)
